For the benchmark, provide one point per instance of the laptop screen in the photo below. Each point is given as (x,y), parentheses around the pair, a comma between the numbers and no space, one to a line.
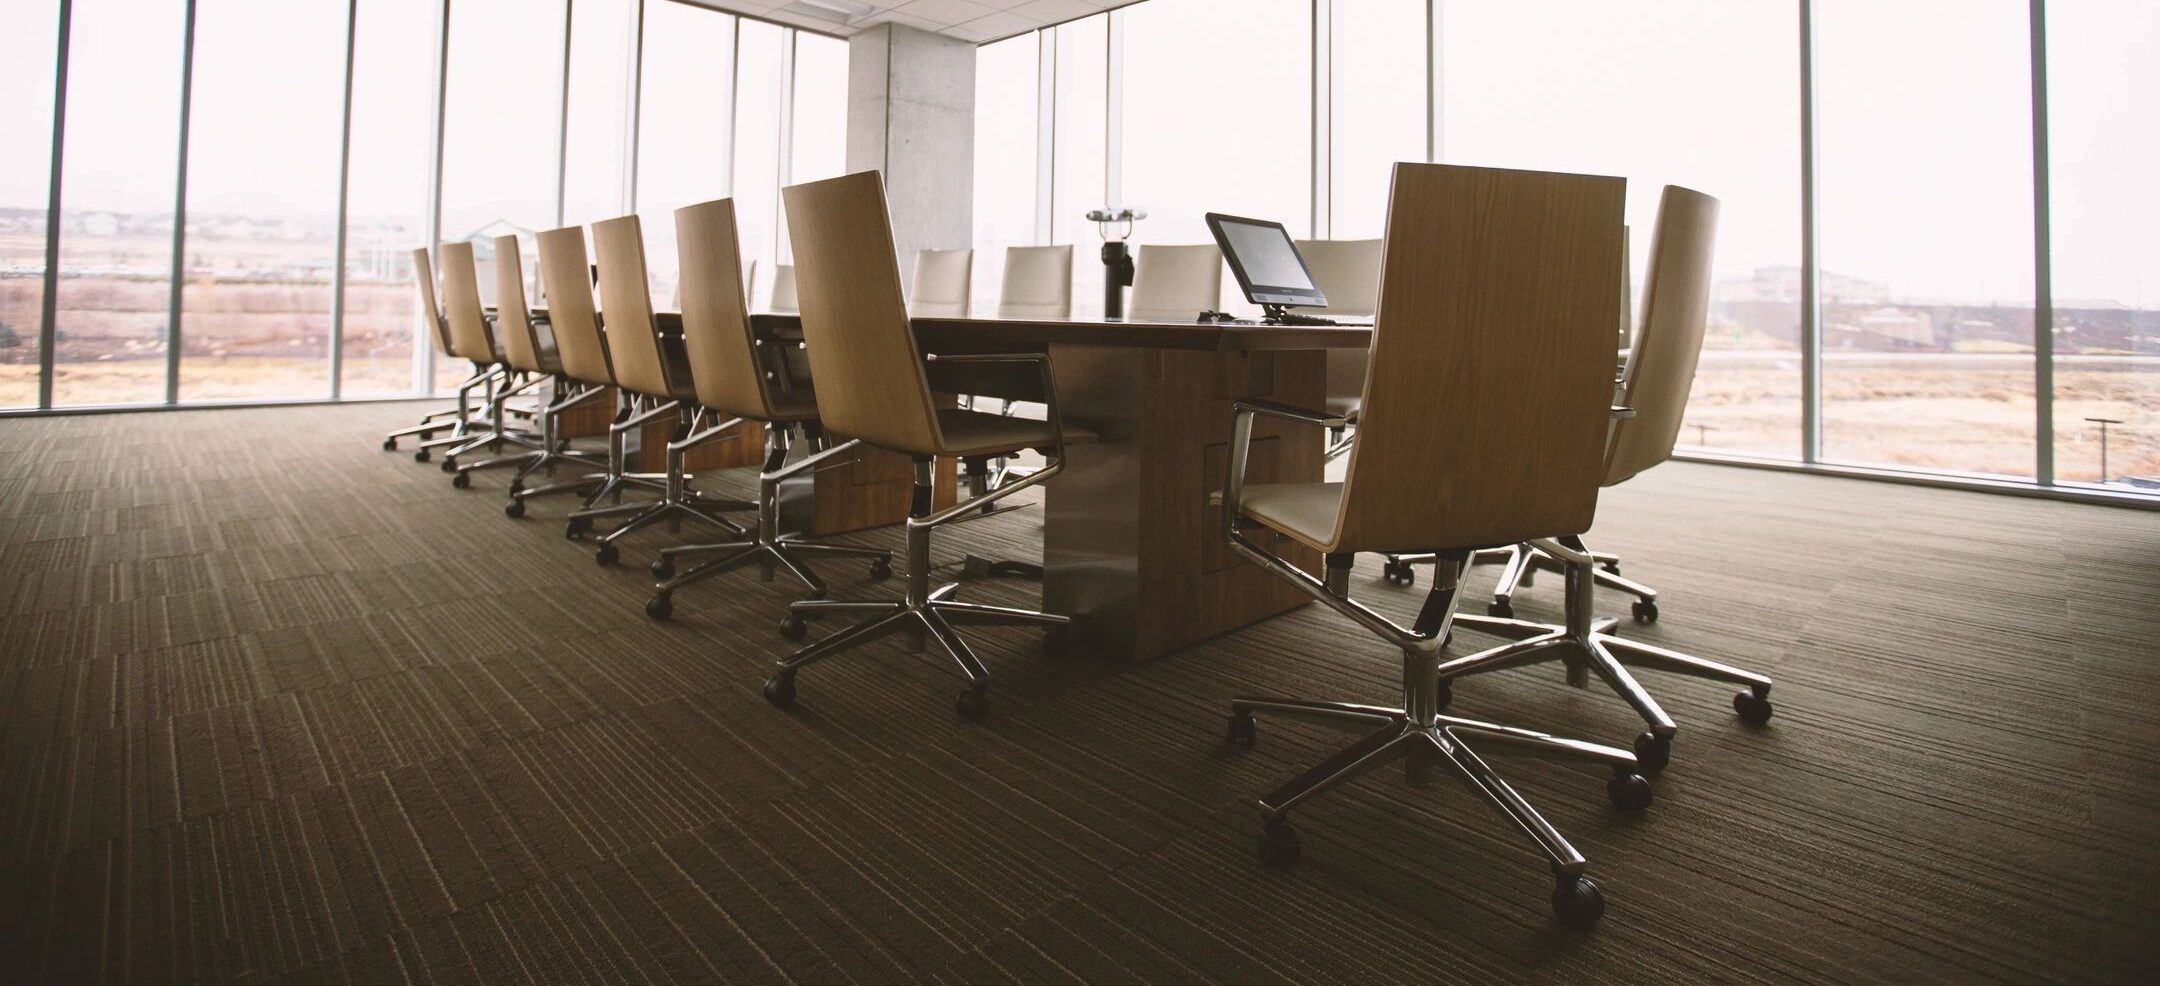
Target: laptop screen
(1265,261)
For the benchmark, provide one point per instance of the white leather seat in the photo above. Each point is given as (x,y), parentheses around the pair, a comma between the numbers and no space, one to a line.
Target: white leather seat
(943,279)
(1175,283)
(1348,273)
(783,290)
(1305,511)
(1038,282)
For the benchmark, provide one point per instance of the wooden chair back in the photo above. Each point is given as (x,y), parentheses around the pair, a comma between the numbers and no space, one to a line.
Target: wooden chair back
(1486,409)
(715,316)
(1676,309)
(869,374)
(633,335)
(469,337)
(424,279)
(1037,282)
(1175,283)
(565,272)
(513,318)
(943,279)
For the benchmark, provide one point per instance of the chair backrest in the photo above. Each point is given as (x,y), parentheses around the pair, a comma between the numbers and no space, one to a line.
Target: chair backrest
(716,319)
(783,289)
(869,374)
(564,271)
(1175,283)
(1676,308)
(943,279)
(633,335)
(1347,271)
(513,318)
(1486,410)
(461,304)
(1038,282)
(424,278)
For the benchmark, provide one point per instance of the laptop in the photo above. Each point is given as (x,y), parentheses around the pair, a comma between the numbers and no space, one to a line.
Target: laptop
(1270,270)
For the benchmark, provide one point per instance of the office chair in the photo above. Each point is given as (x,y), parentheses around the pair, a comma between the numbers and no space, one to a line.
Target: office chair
(1175,283)
(942,281)
(460,415)
(783,298)
(472,337)
(1037,282)
(1499,283)
(1661,367)
(537,363)
(872,386)
(737,376)
(656,378)
(1348,273)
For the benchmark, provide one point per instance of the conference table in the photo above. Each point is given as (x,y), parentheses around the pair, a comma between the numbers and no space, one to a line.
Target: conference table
(1132,548)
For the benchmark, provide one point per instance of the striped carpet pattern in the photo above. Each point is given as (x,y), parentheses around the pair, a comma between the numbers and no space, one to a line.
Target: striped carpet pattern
(281,707)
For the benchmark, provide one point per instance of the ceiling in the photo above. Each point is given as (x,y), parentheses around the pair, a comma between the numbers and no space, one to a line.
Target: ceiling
(976,21)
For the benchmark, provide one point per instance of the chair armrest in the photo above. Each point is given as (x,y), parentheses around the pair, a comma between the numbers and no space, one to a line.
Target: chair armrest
(1622,413)
(1277,409)
(1042,367)
(1242,414)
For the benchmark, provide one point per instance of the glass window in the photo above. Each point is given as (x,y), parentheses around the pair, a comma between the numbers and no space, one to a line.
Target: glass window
(395,45)
(819,127)
(262,211)
(2103,151)
(29,38)
(1007,95)
(117,187)
(1620,90)
(1173,156)
(1080,136)
(759,84)
(1377,109)
(596,159)
(1925,217)
(683,147)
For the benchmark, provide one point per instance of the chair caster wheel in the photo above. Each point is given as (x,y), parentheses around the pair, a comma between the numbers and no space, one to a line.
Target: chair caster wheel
(1278,843)
(972,705)
(793,628)
(461,480)
(427,436)
(660,607)
(420,455)
(605,556)
(514,509)
(780,689)
(449,463)
(880,569)
(1646,611)
(1628,791)
(1397,573)
(1753,707)
(515,488)
(1611,567)
(1652,752)
(576,528)
(389,444)
(1444,696)
(1577,901)
(1500,609)
(663,568)
(1243,730)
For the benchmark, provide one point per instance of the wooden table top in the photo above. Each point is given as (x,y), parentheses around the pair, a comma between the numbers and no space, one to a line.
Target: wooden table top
(1122,333)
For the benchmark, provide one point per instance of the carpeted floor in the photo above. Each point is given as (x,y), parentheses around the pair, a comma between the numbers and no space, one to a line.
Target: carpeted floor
(281,706)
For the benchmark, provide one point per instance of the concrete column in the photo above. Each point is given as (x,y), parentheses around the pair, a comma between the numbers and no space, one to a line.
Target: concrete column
(911,115)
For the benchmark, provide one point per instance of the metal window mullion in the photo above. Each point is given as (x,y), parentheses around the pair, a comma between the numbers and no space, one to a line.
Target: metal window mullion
(344,194)
(423,347)
(1433,107)
(784,158)
(735,77)
(49,301)
(1810,274)
(1045,135)
(2043,263)
(178,284)
(1114,110)
(562,120)
(635,124)
(1320,189)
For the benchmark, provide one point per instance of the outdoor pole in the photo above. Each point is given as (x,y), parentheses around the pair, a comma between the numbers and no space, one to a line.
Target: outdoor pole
(2104,423)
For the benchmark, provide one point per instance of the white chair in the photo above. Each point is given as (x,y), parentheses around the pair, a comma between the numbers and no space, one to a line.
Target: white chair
(1038,282)
(943,279)
(1175,283)
(1348,272)
(783,289)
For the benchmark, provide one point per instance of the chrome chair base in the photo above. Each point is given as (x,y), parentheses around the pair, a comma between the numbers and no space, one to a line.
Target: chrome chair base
(767,547)
(923,610)
(1520,564)
(677,501)
(1585,646)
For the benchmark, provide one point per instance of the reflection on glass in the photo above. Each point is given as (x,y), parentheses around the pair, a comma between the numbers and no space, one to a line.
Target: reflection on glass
(683,147)
(597,152)
(1377,110)
(1082,64)
(29,34)
(2103,154)
(393,106)
(261,212)
(1925,218)
(117,187)
(1624,90)
(1006,99)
